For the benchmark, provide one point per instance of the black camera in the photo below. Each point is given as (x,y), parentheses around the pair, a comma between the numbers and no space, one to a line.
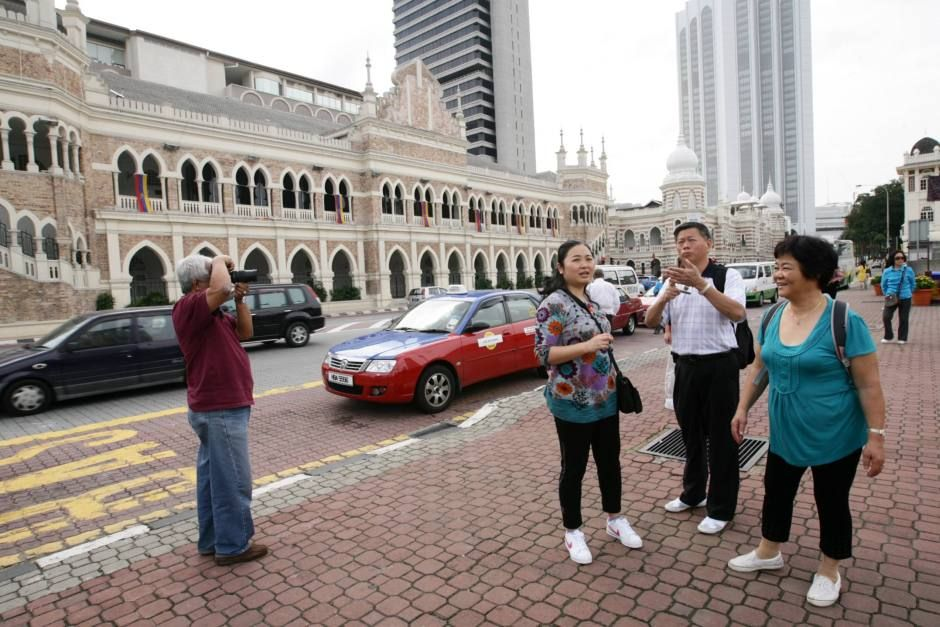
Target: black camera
(243,276)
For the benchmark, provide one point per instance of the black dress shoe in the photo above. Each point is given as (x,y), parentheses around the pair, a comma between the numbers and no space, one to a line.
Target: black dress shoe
(254,552)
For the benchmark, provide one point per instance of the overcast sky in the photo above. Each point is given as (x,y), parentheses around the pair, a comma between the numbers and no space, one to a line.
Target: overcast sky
(609,66)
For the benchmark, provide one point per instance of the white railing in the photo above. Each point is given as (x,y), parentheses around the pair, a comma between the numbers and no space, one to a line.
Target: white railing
(253,211)
(451,223)
(201,208)
(499,228)
(300,215)
(419,220)
(191,206)
(328,216)
(392,218)
(129,203)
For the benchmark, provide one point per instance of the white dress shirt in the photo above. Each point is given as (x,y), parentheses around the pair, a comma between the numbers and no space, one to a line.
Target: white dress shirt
(605,295)
(697,327)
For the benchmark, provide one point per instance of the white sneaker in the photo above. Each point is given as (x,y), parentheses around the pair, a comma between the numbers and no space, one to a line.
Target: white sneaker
(677,506)
(619,528)
(884,341)
(749,562)
(824,592)
(711,526)
(577,547)
(902,342)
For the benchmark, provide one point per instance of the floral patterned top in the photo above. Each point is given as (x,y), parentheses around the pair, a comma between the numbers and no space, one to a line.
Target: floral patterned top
(583,389)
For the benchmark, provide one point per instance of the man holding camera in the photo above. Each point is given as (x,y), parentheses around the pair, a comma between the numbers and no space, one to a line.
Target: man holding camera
(219,394)
(705,393)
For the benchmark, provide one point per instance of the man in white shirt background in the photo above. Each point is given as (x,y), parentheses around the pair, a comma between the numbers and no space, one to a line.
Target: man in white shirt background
(605,295)
(706,391)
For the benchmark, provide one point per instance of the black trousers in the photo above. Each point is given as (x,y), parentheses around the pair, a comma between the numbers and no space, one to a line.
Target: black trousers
(576,440)
(831,485)
(904,313)
(705,397)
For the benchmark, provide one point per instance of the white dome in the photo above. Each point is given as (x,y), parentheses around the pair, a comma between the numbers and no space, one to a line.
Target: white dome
(682,159)
(744,197)
(771,199)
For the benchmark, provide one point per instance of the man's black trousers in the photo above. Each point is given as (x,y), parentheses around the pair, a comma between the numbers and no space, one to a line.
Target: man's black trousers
(705,398)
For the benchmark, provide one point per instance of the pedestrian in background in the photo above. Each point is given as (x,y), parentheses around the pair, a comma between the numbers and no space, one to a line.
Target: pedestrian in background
(897,285)
(572,340)
(705,392)
(604,294)
(823,415)
(219,394)
(861,276)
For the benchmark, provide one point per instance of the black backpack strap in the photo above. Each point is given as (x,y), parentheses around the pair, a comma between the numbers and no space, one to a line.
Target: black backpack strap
(768,317)
(839,322)
(720,272)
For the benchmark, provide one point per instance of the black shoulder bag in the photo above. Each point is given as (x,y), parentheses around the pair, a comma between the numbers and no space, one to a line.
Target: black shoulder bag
(628,397)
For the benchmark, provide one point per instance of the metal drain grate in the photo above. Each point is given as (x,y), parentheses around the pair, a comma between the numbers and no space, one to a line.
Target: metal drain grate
(669,444)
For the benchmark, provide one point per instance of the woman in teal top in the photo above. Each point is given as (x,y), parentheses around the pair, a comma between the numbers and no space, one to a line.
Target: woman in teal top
(822,416)
(898,279)
(572,341)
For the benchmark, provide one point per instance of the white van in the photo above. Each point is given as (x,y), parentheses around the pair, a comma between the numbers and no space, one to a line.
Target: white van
(758,280)
(624,276)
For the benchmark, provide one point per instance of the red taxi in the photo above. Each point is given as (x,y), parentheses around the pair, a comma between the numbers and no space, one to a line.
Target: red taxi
(437,348)
(631,312)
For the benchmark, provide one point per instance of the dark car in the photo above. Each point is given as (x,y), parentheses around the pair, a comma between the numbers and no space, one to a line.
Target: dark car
(290,311)
(90,354)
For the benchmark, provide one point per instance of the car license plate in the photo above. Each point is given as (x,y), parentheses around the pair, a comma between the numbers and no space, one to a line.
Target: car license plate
(342,379)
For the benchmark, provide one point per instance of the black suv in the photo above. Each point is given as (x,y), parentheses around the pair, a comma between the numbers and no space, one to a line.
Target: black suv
(290,311)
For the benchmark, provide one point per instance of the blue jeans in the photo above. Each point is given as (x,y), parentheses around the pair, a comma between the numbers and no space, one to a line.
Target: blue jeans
(223,481)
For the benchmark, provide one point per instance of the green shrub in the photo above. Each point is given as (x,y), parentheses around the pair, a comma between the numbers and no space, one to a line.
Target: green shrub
(104,301)
(504,284)
(150,300)
(539,280)
(345,293)
(318,288)
(525,283)
(482,283)
(876,280)
(924,282)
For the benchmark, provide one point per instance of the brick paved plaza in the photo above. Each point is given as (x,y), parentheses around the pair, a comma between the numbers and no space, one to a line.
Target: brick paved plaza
(462,527)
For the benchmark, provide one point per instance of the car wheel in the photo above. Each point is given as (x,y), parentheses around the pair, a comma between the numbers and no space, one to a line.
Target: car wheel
(27,396)
(630,327)
(774,296)
(436,389)
(297,334)
(760,299)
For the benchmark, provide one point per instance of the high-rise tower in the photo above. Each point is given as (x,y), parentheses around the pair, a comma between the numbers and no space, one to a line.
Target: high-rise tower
(479,51)
(746,98)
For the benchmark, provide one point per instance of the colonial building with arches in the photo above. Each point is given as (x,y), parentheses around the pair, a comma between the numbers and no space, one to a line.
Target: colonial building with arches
(114,167)
(744,230)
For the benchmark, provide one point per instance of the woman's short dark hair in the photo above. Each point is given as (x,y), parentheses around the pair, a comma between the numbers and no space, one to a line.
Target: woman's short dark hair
(698,226)
(556,281)
(817,258)
(896,253)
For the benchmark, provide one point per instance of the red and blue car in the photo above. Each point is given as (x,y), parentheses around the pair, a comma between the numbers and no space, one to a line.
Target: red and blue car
(437,348)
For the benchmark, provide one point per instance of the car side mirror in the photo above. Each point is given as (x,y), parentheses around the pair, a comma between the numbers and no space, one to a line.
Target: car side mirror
(71,346)
(476,326)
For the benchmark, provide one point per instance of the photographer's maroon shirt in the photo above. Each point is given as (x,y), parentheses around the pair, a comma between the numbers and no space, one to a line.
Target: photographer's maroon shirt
(218,373)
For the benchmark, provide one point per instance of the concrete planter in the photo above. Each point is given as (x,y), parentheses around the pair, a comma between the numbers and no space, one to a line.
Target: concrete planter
(922,297)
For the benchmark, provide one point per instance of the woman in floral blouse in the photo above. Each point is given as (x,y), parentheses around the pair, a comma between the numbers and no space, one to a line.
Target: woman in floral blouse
(572,340)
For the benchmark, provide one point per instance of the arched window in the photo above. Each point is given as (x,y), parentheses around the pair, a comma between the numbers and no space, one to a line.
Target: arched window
(146,270)
(656,237)
(427,270)
(188,186)
(261,189)
(19,153)
(42,151)
(301,268)
(480,280)
(399,200)
(445,206)
(257,260)
(454,271)
(396,280)
(345,202)
(520,271)
(49,245)
(127,167)
(342,271)
(151,169)
(629,240)
(329,196)
(386,200)
(289,194)
(304,197)
(210,184)
(242,189)
(26,236)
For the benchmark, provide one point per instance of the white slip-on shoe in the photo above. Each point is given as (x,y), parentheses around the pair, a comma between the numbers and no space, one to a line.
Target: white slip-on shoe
(886,341)
(749,562)
(620,528)
(824,592)
(577,547)
(902,342)
(710,526)
(677,505)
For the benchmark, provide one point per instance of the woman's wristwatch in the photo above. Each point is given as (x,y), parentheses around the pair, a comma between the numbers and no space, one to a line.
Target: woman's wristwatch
(880,432)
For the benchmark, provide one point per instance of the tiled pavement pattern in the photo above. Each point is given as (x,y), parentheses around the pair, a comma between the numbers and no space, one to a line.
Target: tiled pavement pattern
(463,528)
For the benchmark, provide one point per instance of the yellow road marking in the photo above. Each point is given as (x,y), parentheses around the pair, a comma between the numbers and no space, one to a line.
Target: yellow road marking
(91,439)
(127,420)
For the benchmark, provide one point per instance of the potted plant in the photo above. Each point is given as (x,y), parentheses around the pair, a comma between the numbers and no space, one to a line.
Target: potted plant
(923,291)
(876,284)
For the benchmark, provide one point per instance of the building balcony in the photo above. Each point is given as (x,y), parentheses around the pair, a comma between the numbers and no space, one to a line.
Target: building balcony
(129,203)
(451,223)
(397,218)
(299,215)
(253,211)
(201,208)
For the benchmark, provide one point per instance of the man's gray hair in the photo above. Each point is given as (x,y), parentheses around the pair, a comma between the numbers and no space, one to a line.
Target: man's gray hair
(598,273)
(193,268)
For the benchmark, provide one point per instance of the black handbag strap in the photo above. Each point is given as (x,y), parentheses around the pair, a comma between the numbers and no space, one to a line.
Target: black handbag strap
(584,306)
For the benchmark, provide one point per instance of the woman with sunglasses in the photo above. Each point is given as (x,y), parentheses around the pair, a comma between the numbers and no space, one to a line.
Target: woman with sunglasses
(897,281)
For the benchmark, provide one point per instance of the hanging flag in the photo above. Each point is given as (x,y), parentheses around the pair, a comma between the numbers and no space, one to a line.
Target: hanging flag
(140,191)
(338,206)
(478,217)
(424,214)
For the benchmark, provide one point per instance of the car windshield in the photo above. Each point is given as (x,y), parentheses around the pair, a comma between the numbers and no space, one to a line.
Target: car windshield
(56,337)
(747,272)
(440,315)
